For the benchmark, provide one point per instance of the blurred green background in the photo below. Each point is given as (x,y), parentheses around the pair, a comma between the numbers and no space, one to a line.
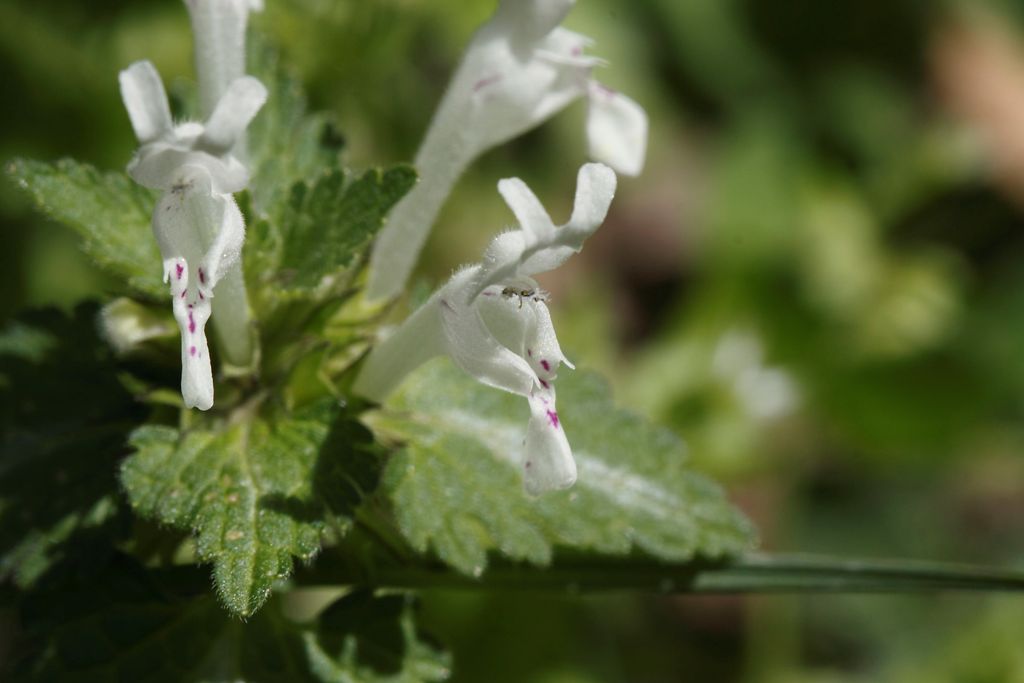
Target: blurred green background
(818,281)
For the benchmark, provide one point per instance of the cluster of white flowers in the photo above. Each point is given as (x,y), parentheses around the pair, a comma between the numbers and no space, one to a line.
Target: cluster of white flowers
(520,68)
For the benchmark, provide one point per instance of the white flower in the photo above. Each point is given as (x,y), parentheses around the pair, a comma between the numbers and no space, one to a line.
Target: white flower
(492,320)
(520,69)
(197,223)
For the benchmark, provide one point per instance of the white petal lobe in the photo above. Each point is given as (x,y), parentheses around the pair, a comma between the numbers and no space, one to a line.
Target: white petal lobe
(532,216)
(548,464)
(146,101)
(234,111)
(196,372)
(616,130)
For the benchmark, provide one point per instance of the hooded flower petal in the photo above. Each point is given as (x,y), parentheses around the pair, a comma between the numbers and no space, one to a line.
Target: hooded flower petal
(181,222)
(492,320)
(225,250)
(542,349)
(474,348)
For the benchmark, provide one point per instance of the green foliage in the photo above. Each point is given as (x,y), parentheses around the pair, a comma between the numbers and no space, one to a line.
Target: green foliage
(257,492)
(64,419)
(363,637)
(456,484)
(327,223)
(287,142)
(122,622)
(109,212)
(806,189)
(311,218)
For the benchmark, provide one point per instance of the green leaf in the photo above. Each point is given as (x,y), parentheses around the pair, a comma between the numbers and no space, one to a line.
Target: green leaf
(120,622)
(257,493)
(456,485)
(373,639)
(109,212)
(287,143)
(329,222)
(308,220)
(64,424)
(126,624)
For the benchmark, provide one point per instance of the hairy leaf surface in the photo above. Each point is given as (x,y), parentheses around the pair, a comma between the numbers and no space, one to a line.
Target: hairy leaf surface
(257,493)
(310,219)
(108,211)
(456,485)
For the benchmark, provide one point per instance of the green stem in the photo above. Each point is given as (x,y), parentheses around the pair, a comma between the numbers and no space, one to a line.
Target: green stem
(753,573)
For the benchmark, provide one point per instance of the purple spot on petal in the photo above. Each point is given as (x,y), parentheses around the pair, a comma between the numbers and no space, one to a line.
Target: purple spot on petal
(577,50)
(545,384)
(183,294)
(528,464)
(191,322)
(179,269)
(192,350)
(546,365)
(447,305)
(484,82)
(553,418)
(201,296)
(529,352)
(202,276)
